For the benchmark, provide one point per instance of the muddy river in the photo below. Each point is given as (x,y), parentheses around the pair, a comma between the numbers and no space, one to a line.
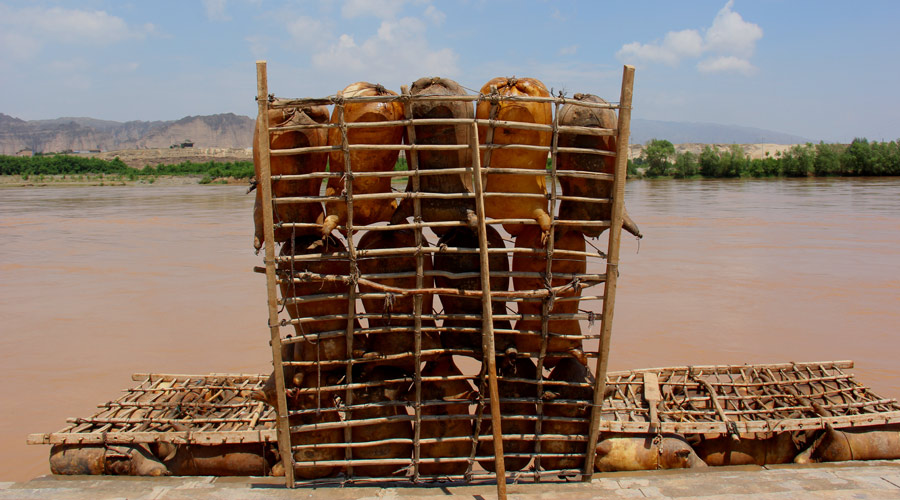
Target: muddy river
(102,282)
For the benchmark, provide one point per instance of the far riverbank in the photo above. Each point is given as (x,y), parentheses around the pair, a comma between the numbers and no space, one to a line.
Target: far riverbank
(90,180)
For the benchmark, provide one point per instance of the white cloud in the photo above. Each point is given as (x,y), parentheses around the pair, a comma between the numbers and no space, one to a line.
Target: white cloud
(35,26)
(675,46)
(434,15)
(568,51)
(18,47)
(309,31)
(726,64)
(398,51)
(215,10)
(382,9)
(729,35)
(79,26)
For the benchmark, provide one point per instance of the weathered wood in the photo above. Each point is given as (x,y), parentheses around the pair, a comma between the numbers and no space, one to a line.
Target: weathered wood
(612,264)
(652,396)
(262,97)
(289,103)
(548,278)
(487,323)
(351,251)
(420,283)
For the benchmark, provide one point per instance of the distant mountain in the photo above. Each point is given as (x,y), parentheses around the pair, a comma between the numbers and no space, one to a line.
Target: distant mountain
(80,134)
(707,133)
(83,121)
(233,131)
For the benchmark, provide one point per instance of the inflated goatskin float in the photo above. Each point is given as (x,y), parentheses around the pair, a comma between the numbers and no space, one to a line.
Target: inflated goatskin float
(527,112)
(557,347)
(750,449)
(95,459)
(312,349)
(365,401)
(567,370)
(396,342)
(580,116)
(630,452)
(161,459)
(522,368)
(364,211)
(470,263)
(456,393)
(437,210)
(291,165)
(216,460)
(863,443)
(317,408)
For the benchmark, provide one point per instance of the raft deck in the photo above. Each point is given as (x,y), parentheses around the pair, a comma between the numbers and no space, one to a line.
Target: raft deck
(180,409)
(727,399)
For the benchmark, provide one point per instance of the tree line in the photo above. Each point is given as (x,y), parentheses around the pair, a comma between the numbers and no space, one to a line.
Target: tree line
(859,158)
(75,165)
(658,159)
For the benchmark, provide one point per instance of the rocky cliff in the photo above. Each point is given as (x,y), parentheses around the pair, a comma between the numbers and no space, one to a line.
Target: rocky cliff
(81,134)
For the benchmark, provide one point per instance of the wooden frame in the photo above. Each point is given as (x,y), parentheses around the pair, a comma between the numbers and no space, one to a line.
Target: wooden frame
(767,401)
(354,278)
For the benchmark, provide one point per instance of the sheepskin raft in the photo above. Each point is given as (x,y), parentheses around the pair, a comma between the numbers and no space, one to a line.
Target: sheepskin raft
(687,416)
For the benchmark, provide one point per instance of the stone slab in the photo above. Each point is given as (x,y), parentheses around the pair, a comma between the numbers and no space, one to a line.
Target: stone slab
(864,481)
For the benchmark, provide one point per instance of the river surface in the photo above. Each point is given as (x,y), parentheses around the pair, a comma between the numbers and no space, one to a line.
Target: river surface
(102,282)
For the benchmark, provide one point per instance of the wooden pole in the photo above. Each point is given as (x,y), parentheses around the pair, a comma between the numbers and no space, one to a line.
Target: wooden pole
(487,322)
(612,265)
(413,158)
(283,426)
(545,303)
(354,273)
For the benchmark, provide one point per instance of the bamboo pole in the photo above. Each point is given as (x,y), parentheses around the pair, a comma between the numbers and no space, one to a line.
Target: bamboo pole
(284,436)
(612,265)
(487,322)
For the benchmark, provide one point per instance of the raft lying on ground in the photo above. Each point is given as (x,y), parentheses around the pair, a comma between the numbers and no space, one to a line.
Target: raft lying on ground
(725,415)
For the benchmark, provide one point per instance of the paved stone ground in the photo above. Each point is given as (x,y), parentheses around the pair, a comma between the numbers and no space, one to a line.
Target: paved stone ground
(858,480)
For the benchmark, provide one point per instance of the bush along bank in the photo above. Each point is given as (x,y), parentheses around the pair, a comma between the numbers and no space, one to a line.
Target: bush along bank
(859,158)
(73,165)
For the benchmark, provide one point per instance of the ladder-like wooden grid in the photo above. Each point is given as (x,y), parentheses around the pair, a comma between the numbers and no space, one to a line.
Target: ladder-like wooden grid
(216,408)
(180,409)
(337,386)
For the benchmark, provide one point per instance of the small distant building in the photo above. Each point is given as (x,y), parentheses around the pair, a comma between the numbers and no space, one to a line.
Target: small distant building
(187,144)
(27,152)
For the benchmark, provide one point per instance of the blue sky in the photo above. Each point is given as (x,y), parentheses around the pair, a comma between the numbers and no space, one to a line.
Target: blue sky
(819,69)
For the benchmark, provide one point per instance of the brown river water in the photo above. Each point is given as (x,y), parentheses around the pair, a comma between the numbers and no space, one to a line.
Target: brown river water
(102,282)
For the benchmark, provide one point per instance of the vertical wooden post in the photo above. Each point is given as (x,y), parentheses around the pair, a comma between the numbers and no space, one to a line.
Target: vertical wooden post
(354,273)
(612,265)
(265,184)
(545,303)
(487,318)
(413,159)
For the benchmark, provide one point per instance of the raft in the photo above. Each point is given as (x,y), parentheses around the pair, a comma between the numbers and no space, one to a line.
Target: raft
(207,413)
